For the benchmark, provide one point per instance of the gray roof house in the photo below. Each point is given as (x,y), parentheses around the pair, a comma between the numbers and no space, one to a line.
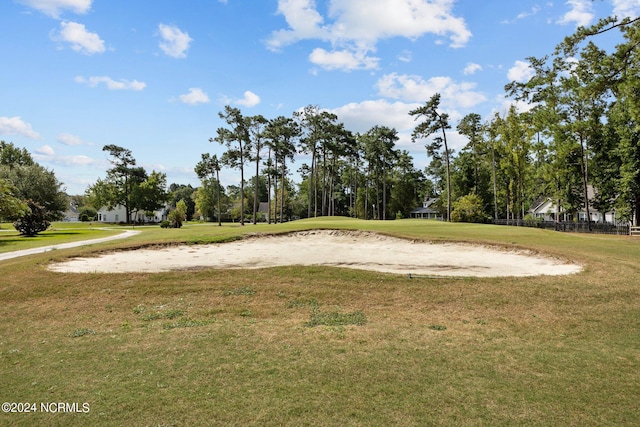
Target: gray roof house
(427,211)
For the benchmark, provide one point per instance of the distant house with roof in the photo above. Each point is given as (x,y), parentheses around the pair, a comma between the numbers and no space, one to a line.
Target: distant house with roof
(427,211)
(119,214)
(71,214)
(546,209)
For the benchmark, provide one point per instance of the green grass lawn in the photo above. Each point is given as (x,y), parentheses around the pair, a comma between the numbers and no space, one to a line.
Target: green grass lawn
(59,232)
(327,346)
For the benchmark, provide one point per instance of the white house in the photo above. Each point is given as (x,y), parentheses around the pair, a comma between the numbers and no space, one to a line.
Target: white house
(547,210)
(119,214)
(71,214)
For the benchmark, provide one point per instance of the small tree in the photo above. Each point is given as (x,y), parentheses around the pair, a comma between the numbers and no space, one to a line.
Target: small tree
(178,215)
(468,209)
(33,223)
(209,169)
(38,185)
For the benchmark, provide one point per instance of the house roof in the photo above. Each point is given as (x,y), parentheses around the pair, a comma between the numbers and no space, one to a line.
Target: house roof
(424,210)
(426,207)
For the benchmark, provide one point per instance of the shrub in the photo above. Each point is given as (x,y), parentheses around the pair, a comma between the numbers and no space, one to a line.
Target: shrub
(468,209)
(34,222)
(87,213)
(165,224)
(531,221)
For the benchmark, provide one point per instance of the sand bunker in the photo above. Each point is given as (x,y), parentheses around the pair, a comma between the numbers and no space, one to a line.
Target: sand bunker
(350,249)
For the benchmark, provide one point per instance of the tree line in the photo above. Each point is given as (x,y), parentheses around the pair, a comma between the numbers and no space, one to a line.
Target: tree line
(580,131)
(358,175)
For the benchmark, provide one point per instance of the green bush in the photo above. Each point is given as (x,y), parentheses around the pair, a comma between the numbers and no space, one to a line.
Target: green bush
(87,213)
(34,222)
(468,209)
(165,224)
(531,221)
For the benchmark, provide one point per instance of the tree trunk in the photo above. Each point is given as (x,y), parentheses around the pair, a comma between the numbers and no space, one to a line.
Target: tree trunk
(324,183)
(284,168)
(446,153)
(255,185)
(366,192)
(495,185)
(583,168)
(218,187)
(311,181)
(384,193)
(241,186)
(269,190)
(275,191)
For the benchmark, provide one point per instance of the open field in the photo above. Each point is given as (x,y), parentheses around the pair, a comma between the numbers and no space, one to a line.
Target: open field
(327,346)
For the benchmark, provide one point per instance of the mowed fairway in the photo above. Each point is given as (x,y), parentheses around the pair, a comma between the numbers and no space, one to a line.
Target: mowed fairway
(327,346)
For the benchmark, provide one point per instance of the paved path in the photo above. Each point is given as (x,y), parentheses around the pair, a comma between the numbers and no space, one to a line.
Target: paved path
(43,249)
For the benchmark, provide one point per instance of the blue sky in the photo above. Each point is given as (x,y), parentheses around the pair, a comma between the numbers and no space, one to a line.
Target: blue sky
(151,76)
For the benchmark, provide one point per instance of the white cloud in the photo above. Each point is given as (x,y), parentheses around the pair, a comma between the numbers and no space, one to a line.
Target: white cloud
(175,42)
(16,126)
(110,83)
(250,100)
(416,89)
(194,97)
(303,19)
(520,72)
(362,116)
(81,40)
(79,160)
(581,13)
(626,8)
(47,154)
(69,139)
(534,11)
(342,60)
(356,26)
(472,68)
(364,20)
(54,8)
(406,56)
(45,150)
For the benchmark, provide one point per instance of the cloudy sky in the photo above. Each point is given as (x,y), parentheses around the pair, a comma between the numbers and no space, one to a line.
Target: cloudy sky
(151,76)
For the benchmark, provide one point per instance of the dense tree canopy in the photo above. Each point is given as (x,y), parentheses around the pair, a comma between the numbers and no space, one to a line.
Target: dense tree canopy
(128,185)
(29,193)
